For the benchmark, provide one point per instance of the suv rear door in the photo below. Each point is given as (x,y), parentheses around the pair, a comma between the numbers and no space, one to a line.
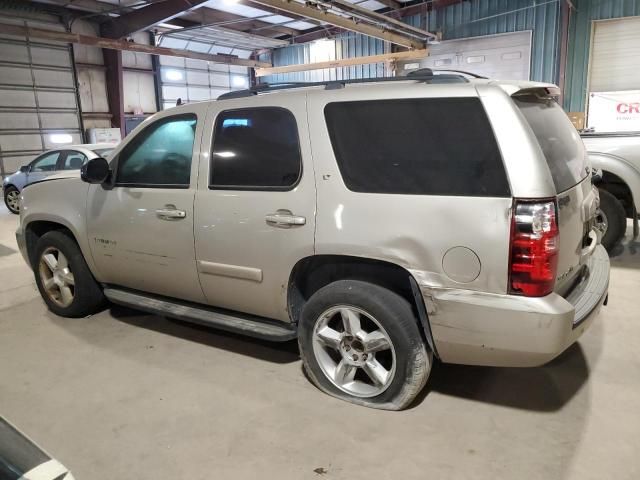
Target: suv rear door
(567,160)
(255,204)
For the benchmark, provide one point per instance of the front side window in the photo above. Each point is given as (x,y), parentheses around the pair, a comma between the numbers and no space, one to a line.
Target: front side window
(419,146)
(160,155)
(73,161)
(255,149)
(46,163)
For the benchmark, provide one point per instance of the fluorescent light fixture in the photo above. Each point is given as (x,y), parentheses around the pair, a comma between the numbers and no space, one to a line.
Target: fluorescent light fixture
(60,138)
(174,75)
(168,25)
(238,81)
(225,154)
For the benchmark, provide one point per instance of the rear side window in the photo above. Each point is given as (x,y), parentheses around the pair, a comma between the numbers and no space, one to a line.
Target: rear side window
(558,139)
(435,146)
(255,149)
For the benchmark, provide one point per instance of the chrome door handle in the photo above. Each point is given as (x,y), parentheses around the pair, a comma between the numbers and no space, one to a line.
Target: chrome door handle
(170,212)
(285,219)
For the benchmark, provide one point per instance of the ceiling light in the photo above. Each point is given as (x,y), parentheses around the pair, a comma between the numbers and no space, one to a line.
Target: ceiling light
(60,138)
(174,75)
(168,25)
(237,81)
(225,154)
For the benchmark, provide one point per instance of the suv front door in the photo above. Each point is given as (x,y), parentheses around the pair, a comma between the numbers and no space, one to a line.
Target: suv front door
(140,227)
(255,204)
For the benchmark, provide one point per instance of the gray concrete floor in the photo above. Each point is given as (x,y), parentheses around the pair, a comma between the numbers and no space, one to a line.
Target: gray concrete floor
(128,395)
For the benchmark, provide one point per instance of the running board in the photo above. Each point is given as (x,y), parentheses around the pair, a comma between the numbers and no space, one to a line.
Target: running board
(245,324)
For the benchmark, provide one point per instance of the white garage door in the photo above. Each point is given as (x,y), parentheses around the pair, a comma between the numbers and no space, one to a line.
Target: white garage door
(505,56)
(38,107)
(615,55)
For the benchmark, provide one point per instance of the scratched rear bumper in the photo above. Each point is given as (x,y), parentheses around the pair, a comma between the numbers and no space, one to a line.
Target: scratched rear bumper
(476,328)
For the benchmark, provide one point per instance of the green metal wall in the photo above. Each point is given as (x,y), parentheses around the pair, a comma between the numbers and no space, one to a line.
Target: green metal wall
(580,42)
(488,17)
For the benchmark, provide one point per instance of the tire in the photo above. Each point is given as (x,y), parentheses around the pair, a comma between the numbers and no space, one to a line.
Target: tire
(52,277)
(11,199)
(614,219)
(330,351)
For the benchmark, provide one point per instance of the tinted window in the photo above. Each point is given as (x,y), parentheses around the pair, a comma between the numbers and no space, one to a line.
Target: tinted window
(417,146)
(160,155)
(46,163)
(255,149)
(73,161)
(558,139)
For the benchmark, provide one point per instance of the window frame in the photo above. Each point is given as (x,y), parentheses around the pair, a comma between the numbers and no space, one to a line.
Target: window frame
(253,188)
(330,133)
(116,161)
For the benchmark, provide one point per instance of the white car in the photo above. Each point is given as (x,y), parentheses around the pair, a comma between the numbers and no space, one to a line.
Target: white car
(67,159)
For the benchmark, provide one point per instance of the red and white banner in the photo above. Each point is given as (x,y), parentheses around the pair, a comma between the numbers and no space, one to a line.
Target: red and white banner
(614,111)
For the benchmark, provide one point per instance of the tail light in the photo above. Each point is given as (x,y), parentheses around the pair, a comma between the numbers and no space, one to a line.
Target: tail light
(534,248)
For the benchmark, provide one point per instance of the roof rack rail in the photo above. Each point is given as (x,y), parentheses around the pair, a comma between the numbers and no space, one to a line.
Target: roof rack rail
(425,75)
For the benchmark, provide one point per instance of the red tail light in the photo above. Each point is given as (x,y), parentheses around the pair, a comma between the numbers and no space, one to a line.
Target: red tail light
(534,248)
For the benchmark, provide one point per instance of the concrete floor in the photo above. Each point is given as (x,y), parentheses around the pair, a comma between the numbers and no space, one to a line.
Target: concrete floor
(128,395)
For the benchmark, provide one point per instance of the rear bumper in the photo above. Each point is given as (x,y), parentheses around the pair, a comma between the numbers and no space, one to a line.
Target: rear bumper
(477,328)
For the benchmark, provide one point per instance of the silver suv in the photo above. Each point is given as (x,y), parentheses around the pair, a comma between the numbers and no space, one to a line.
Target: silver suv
(379,223)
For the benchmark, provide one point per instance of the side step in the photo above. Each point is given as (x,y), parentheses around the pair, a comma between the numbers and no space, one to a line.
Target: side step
(245,324)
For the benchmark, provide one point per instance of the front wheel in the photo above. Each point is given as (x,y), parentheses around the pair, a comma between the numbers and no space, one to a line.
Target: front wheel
(361,343)
(63,277)
(12,199)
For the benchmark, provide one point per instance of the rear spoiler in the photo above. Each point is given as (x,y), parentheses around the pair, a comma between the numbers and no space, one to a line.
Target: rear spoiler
(543,93)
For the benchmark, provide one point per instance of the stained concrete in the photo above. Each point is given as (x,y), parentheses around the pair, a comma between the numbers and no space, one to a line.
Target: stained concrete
(128,395)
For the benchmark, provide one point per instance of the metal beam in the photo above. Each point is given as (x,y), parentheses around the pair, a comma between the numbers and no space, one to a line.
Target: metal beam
(114,44)
(375,16)
(115,92)
(346,62)
(391,4)
(146,17)
(343,22)
(209,16)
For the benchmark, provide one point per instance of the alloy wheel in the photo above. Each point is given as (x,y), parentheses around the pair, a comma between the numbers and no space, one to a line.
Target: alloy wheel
(56,277)
(13,200)
(354,351)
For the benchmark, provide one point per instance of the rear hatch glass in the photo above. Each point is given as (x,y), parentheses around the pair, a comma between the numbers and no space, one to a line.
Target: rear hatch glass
(567,161)
(558,139)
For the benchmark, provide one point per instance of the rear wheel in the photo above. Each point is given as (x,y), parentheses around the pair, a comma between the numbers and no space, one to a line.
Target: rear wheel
(611,219)
(12,199)
(361,343)
(63,277)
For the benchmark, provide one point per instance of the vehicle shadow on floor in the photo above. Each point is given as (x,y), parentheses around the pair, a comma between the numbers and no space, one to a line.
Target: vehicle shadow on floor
(285,352)
(543,389)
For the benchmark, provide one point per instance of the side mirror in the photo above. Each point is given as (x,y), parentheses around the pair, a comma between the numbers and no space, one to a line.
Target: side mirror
(24,168)
(95,170)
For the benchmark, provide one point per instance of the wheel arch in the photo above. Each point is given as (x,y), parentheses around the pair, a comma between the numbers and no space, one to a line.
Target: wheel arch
(620,179)
(314,272)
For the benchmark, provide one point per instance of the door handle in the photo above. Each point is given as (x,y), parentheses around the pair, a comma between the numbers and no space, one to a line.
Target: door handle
(170,212)
(285,219)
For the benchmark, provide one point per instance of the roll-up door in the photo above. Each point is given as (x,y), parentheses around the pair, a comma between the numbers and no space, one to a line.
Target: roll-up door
(38,101)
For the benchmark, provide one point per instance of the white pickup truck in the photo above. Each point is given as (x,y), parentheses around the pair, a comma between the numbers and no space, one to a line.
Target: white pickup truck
(616,158)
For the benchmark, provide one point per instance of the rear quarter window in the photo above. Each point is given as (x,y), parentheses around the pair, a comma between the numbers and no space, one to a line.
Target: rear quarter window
(435,146)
